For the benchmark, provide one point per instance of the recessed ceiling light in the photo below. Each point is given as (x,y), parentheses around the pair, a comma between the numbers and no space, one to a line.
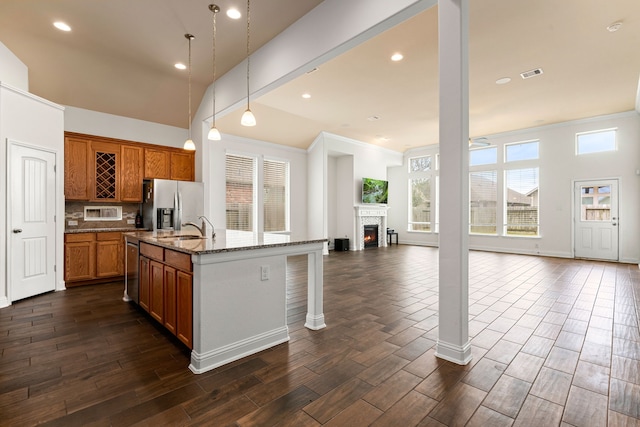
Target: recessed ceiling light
(397,57)
(614,27)
(61,26)
(234,13)
(503,80)
(180,66)
(306,95)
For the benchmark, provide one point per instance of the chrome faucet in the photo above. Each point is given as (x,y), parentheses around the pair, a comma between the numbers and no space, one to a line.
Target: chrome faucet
(203,228)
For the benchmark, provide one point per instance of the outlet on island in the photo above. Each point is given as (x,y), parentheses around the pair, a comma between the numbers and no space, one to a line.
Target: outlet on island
(264,272)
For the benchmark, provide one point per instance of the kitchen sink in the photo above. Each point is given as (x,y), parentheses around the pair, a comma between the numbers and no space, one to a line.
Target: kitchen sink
(184,237)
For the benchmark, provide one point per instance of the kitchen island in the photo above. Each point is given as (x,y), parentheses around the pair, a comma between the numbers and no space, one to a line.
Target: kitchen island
(238,289)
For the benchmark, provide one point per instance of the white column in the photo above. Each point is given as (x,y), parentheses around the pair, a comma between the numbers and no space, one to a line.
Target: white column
(315,314)
(453,325)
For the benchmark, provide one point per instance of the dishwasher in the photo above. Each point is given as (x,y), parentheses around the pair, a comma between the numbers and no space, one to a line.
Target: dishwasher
(131,287)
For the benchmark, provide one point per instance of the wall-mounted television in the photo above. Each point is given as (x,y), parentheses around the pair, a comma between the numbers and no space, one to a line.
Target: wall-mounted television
(375,191)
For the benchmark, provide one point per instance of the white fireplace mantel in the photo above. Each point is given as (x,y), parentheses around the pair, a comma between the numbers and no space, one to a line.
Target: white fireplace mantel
(370,215)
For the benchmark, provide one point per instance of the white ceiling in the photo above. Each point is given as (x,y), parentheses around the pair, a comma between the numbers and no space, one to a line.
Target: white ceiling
(119,60)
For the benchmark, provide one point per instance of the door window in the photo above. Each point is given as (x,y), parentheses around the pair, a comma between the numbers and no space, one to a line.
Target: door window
(595,203)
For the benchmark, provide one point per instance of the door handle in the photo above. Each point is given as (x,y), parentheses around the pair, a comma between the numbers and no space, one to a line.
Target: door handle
(17,230)
(614,224)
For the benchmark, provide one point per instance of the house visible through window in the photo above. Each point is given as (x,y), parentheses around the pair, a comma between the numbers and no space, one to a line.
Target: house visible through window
(483,201)
(521,200)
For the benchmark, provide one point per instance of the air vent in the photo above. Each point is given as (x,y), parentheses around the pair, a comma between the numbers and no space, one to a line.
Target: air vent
(531,73)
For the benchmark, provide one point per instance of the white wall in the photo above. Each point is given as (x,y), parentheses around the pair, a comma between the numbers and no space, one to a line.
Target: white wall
(108,125)
(19,111)
(13,71)
(559,167)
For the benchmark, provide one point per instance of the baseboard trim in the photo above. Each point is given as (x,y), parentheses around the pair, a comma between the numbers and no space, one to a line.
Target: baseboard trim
(212,359)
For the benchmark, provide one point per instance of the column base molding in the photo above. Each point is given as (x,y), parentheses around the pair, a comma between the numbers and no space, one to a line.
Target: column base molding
(460,355)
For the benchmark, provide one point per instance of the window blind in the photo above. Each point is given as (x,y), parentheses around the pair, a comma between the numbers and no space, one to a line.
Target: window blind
(276,195)
(240,176)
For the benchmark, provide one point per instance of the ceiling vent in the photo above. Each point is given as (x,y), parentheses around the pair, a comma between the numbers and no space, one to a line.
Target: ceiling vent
(531,73)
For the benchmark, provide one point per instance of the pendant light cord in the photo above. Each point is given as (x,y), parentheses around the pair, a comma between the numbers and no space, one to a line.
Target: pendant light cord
(190,37)
(214,9)
(248,39)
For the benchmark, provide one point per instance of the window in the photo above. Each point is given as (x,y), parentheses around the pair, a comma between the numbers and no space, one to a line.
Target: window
(420,164)
(521,197)
(276,197)
(483,201)
(595,142)
(245,209)
(595,203)
(240,176)
(420,209)
(521,151)
(483,156)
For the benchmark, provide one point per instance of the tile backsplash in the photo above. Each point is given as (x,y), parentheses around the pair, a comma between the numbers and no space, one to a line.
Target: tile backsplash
(74,211)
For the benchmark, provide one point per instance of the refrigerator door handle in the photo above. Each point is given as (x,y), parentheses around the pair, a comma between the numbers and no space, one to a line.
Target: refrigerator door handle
(177,211)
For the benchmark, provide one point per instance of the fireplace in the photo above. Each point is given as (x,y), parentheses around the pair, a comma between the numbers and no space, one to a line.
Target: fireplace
(371,236)
(370,216)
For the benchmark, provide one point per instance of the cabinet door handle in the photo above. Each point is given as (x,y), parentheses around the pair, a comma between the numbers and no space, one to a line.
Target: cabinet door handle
(17,230)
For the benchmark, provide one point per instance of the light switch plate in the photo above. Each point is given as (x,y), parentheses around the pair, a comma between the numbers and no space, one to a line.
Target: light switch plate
(72,222)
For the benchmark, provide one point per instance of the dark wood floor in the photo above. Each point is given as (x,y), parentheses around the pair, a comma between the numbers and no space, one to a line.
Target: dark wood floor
(555,342)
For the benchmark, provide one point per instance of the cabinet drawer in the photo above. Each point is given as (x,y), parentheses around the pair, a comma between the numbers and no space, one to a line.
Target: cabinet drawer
(178,260)
(151,251)
(110,235)
(80,237)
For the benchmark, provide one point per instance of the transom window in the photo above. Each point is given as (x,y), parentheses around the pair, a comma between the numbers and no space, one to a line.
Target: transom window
(521,151)
(596,142)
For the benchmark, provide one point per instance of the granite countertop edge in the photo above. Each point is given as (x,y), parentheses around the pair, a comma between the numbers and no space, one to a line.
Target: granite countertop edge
(101,230)
(176,244)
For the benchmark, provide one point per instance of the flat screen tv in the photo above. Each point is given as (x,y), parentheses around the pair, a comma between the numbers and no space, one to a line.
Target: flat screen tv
(375,191)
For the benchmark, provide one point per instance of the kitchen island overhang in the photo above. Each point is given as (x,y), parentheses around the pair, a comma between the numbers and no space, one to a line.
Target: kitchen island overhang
(239,291)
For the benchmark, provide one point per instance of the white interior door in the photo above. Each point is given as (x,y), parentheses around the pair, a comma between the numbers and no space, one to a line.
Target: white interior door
(596,219)
(32,221)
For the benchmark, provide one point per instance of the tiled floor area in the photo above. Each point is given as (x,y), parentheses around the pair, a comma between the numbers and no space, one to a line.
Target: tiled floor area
(555,342)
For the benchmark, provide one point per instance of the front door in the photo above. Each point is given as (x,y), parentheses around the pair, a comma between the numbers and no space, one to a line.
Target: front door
(596,219)
(31,231)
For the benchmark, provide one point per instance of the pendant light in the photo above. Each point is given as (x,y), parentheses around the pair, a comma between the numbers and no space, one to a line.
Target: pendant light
(214,134)
(188,144)
(248,119)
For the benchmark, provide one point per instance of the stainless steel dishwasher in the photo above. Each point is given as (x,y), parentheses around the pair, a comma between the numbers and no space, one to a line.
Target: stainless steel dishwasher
(131,276)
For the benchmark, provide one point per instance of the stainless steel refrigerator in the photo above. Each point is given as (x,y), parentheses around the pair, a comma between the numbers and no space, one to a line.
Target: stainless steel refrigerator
(168,204)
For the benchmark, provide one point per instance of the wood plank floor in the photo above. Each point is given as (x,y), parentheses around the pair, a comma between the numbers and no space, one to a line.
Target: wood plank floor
(555,342)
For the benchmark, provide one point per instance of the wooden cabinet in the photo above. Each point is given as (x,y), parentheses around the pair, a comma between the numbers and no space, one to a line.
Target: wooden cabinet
(157,164)
(109,254)
(76,173)
(104,175)
(170,298)
(169,164)
(132,161)
(104,169)
(92,256)
(184,307)
(144,283)
(156,290)
(79,257)
(166,289)
(182,166)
